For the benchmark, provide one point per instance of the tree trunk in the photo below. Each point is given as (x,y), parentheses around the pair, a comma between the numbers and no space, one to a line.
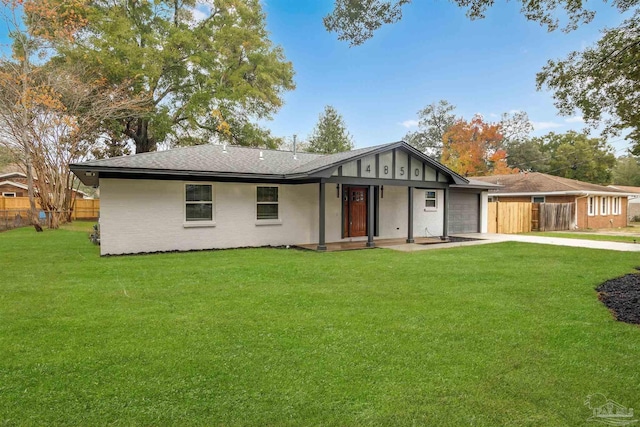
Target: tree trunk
(33,215)
(144,144)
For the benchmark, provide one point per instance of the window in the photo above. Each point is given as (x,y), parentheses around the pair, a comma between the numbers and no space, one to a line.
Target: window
(198,202)
(430,200)
(604,205)
(537,199)
(592,206)
(267,203)
(8,194)
(615,206)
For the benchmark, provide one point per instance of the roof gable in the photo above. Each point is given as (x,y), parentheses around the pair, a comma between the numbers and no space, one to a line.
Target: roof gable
(14,184)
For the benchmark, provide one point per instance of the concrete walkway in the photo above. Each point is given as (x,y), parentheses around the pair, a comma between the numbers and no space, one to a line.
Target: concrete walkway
(485,238)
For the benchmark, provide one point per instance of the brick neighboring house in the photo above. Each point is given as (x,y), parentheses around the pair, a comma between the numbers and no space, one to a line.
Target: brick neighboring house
(14,184)
(633,208)
(597,206)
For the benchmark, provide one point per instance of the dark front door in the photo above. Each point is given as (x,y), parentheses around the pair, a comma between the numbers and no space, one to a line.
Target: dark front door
(354,209)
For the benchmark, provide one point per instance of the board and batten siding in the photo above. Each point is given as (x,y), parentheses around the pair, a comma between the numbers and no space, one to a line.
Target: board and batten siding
(149,216)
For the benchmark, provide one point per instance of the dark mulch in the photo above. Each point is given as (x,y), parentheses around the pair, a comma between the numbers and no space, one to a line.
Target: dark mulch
(622,297)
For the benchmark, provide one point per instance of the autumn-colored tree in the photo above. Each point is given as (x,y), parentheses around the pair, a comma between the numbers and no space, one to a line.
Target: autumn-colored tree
(31,24)
(474,148)
(50,113)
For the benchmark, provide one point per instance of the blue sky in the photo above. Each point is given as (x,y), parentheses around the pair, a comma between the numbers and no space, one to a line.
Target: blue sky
(486,66)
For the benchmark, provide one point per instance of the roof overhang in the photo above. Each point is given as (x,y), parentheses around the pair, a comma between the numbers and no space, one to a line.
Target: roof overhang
(562,193)
(15,184)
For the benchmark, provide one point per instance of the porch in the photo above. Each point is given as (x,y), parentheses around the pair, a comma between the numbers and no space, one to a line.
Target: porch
(379,243)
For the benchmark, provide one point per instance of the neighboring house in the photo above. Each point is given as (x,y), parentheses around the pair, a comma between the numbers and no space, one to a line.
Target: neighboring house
(597,206)
(217,196)
(633,207)
(14,184)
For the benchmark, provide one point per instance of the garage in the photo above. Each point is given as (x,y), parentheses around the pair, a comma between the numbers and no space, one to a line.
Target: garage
(464,212)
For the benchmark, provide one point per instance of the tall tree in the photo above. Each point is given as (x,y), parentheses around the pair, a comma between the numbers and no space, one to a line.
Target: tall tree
(208,69)
(330,134)
(577,156)
(356,20)
(626,171)
(528,155)
(20,72)
(474,148)
(50,112)
(602,81)
(515,126)
(433,122)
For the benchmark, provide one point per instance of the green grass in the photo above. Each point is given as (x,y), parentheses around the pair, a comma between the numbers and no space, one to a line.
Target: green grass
(489,335)
(588,236)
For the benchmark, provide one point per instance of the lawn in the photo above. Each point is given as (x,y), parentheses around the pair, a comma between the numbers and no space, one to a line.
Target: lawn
(587,236)
(489,335)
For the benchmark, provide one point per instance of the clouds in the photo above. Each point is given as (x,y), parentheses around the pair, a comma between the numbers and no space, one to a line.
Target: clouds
(409,123)
(575,119)
(546,125)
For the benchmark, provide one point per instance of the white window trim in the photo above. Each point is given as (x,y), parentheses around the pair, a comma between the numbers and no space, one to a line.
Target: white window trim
(8,194)
(543,199)
(616,206)
(430,208)
(604,206)
(196,224)
(592,205)
(277,221)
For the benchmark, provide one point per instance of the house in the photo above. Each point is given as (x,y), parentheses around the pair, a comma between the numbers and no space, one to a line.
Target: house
(633,206)
(14,184)
(596,206)
(218,196)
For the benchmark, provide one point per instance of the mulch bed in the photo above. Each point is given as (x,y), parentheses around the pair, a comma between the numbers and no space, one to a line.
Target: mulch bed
(622,297)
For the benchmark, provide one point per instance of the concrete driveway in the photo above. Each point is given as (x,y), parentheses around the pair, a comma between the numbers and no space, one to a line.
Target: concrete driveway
(559,241)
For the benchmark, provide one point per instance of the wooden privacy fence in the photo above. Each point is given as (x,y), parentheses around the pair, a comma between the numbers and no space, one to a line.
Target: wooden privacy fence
(509,218)
(523,217)
(84,208)
(556,216)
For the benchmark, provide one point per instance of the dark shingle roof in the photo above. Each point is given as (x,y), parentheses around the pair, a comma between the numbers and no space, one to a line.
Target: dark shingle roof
(536,182)
(234,161)
(209,157)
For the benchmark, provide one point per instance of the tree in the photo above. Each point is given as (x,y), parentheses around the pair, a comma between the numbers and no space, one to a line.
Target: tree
(474,148)
(434,121)
(205,77)
(19,75)
(577,156)
(515,126)
(7,157)
(330,134)
(602,81)
(626,171)
(528,155)
(356,20)
(51,112)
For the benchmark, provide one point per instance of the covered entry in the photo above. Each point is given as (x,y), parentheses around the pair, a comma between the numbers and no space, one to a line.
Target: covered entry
(464,212)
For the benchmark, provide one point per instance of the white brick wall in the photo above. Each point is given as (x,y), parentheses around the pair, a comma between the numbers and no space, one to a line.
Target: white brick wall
(148,216)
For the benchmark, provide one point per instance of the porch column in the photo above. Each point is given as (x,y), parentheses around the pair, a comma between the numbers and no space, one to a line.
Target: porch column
(445,209)
(321,222)
(410,219)
(370,222)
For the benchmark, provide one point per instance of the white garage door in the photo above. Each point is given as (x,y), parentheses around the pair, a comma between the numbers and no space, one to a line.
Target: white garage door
(463,212)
